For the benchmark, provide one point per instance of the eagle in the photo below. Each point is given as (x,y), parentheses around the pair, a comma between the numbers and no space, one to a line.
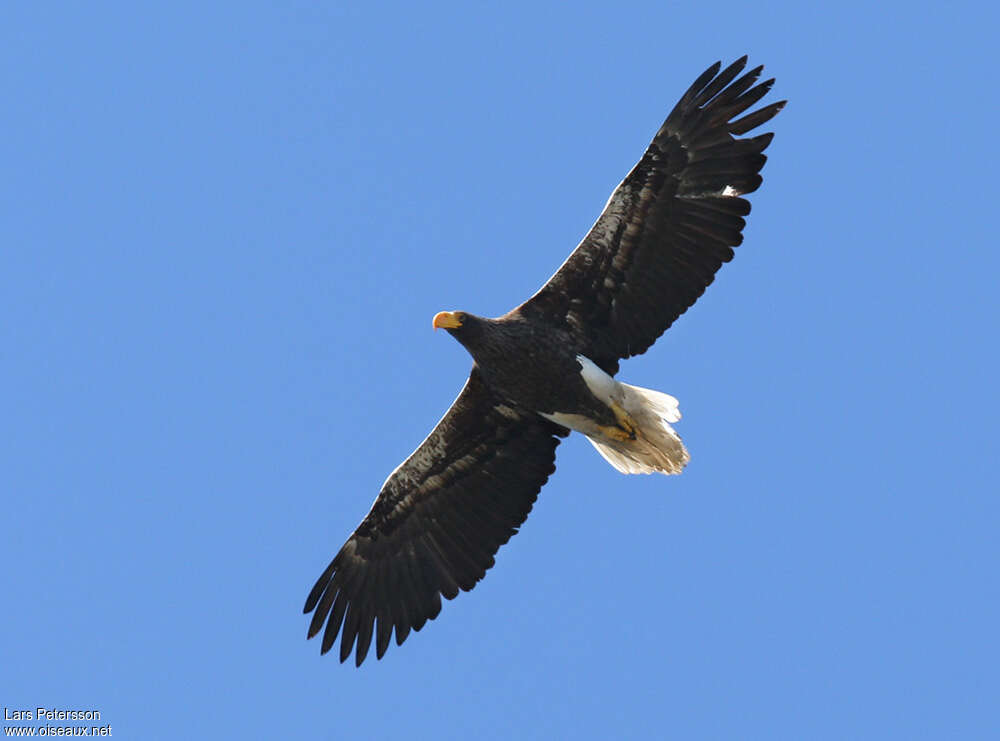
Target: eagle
(547,367)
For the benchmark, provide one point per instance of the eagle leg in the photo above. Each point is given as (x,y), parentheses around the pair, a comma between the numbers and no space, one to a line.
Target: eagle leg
(626,427)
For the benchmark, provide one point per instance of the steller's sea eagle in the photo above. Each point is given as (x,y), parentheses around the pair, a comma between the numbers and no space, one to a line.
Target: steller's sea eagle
(547,367)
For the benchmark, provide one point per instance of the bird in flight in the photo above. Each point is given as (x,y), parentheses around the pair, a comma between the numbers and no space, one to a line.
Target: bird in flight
(548,367)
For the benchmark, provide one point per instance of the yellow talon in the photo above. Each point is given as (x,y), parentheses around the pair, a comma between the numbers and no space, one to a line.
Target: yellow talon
(625,429)
(616,433)
(625,422)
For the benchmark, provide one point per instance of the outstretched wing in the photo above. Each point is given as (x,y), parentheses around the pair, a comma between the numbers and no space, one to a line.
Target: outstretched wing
(669,226)
(437,523)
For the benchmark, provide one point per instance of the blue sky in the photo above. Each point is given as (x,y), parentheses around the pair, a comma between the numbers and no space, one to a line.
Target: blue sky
(225,230)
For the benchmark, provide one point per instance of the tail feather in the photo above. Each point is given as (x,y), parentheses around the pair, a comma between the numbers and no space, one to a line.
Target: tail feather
(665,406)
(657,448)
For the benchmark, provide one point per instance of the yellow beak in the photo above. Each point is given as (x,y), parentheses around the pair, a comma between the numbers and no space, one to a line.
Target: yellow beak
(447,320)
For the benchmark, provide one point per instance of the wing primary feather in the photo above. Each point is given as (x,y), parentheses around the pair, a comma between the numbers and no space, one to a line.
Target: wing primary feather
(396,613)
(318,588)
(432,613)
(701,81)
(333,624)
(732,93)
(384,635)
(730,109)
(407,605)
(752,120)
(731,149)
(350,631)
(347,612)
(382,607)
(319,617)
(402,633)
(456,561)
(721,204)
(447,585)
(366,624)
(428,571)
(463,534)
(696,87)
(327,589)
(415,595)
(713,89)
(724,167)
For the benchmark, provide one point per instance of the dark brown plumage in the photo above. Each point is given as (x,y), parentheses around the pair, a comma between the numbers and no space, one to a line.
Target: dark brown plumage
(444,512)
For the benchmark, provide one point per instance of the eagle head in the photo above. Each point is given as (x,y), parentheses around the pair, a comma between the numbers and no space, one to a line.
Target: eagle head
(470,330)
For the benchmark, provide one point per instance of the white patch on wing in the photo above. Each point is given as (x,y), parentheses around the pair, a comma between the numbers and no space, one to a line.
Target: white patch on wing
(600,383)
(729,191)
(576,422)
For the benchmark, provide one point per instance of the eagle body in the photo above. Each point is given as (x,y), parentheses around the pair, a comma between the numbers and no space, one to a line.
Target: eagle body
(541,369)
(548,367)
(531,365)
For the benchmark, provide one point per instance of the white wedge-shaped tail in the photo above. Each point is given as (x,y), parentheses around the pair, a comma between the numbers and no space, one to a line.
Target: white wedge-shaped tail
(657,448)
